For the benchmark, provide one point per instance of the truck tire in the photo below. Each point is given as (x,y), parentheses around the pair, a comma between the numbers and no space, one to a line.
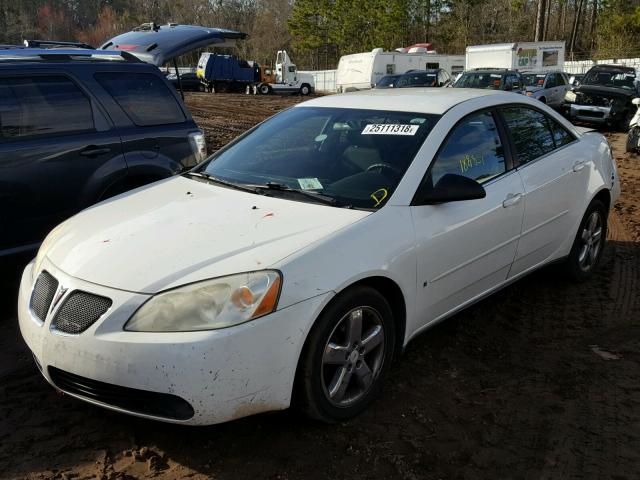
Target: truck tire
(305,89)
(632,139)
(264,89)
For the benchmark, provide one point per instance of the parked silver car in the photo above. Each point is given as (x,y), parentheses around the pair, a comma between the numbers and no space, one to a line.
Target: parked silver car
(548,87)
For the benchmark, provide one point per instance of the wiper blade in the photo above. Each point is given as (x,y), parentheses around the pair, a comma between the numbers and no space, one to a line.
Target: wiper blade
(315,196)
(214,179)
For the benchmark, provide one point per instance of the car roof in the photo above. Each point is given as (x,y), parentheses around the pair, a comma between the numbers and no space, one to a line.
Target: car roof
(423,100)
(615,68)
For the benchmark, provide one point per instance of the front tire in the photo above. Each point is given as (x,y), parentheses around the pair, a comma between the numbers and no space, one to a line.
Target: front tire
(305,90)
(588,245)
(347,356)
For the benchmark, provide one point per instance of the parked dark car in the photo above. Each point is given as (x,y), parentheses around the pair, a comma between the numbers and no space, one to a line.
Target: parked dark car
(604,96)
(388,81)
(436,77)
(190,82)
(79,126)
(491,78)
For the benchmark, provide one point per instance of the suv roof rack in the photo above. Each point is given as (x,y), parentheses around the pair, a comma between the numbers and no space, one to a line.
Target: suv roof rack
(61,55)
(56,44)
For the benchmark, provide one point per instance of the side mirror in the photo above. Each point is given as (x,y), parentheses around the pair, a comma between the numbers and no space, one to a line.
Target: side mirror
(453,188)
(636,101)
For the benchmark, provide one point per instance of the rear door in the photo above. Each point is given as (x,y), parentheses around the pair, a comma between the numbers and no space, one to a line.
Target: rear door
(152,122)
(553,172)
(57,152)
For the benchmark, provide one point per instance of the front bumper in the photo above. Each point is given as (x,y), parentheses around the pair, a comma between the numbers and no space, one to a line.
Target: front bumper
(590,114)
(221,374)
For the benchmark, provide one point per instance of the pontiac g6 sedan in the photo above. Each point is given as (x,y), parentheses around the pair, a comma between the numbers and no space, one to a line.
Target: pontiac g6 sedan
(292,265)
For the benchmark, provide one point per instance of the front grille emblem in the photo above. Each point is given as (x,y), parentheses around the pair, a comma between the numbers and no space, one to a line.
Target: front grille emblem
(58,297)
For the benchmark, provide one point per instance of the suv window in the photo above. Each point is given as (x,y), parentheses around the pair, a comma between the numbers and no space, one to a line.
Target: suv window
(42,106)
(551,81)
(530,132)
(144,97)
(473,149)
(560,80)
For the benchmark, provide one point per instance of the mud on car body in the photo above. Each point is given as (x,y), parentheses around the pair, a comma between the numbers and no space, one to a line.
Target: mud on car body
(603,97)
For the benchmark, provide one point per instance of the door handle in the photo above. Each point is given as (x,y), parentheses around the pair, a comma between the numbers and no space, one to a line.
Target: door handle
(579,165)
(93,151)
(512,199)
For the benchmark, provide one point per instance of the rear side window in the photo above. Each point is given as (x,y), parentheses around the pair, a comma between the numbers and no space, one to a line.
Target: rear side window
(52,105)
(144,97)
(530,132)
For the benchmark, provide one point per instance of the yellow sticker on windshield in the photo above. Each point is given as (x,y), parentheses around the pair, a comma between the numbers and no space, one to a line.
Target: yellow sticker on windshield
(379,195)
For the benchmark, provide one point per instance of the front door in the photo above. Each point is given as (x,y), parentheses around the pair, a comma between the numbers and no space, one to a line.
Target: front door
(465,249)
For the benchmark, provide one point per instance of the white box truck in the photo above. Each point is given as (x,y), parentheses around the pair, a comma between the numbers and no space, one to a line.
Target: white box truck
(539,56)
(361,71)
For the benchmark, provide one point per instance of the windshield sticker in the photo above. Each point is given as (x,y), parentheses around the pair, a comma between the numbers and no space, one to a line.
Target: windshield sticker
(379,195)
(309,184)
(390,129)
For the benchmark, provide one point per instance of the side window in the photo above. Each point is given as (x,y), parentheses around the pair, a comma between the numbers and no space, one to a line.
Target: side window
(49,105)
(144,97)
(515,81)
(551,81)
(473,149)
(561,79)
(391,69)
(561,136)
(530,132)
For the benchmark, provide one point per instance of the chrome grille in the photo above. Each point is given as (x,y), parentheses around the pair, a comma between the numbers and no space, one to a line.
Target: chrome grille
(79,311)
(42,295)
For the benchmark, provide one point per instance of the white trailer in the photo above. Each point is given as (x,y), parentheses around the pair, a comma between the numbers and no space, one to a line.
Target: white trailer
(361,71)
(539,56)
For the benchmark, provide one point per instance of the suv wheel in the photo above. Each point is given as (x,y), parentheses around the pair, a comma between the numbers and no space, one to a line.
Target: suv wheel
(347,356)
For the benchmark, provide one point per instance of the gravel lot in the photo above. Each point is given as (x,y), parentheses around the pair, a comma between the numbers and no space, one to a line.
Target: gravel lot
(540,381)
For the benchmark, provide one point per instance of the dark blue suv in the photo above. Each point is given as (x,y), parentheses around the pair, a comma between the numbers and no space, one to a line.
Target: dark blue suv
(78,126)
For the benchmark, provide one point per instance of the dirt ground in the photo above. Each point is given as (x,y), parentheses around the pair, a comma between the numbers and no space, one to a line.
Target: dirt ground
(540,381)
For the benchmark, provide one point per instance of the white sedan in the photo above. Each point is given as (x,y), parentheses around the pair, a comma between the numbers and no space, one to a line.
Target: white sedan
(295,263)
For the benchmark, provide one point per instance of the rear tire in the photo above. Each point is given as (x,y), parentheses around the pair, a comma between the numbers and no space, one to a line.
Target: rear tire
(346,356)
(588,245)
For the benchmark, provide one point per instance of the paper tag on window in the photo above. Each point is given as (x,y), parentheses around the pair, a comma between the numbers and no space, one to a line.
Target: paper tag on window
(309,184)
(390,129)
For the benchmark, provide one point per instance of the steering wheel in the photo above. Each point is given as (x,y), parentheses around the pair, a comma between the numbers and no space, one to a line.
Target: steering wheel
(382,166)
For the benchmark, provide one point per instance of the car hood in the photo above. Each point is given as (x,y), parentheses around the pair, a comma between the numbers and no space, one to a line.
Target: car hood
(600,90)
(181,230)
(533,89)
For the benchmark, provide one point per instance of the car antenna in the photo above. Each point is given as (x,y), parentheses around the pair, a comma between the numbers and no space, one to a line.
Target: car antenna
(175,65)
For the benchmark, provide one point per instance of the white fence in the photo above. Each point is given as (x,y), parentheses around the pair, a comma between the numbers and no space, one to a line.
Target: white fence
(325,80)
(581,66)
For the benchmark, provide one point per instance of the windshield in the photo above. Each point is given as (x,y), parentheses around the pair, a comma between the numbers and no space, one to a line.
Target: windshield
(387,81)
(417,80)
(610,79)
(356,157)
(480,80)
(533,79)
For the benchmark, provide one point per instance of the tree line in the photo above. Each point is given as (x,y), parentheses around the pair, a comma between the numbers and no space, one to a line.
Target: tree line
(318,32)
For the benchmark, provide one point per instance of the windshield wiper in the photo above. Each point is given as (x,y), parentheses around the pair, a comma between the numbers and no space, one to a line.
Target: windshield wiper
(315,196)
(219,181)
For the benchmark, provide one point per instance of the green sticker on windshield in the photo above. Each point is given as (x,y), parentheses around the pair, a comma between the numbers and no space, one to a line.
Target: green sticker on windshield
(309,184)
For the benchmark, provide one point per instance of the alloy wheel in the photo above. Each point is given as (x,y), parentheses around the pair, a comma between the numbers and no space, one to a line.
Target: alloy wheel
(353,356)
(590,241)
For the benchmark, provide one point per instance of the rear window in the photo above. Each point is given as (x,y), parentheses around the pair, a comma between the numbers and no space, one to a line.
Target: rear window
(144,97)
(49,105)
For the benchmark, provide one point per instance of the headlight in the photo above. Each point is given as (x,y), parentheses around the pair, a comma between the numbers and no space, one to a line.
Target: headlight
(529,94)
(570,97)
(209,305)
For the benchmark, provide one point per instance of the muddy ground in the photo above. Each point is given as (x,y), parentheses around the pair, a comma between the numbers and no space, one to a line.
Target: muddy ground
(540,381)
